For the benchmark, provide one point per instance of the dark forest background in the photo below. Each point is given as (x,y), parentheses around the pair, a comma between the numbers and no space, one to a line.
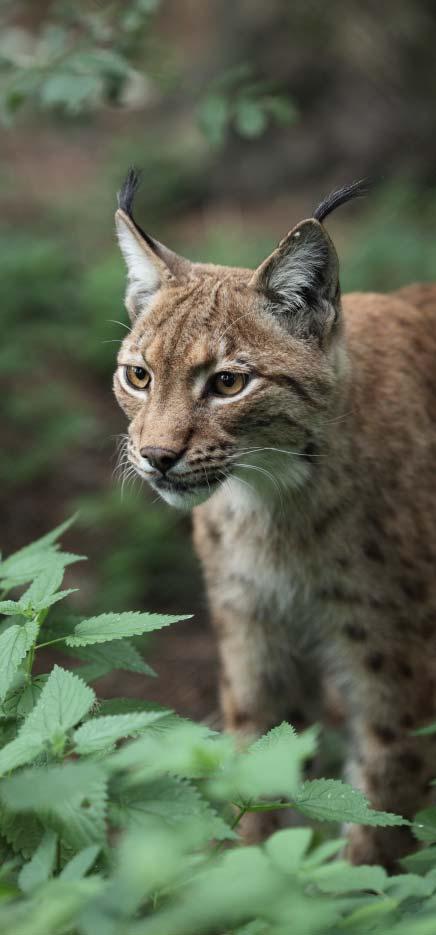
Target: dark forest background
(242,115)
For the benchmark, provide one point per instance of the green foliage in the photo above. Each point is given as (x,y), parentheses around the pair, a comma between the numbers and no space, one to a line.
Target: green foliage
(81,57)
(123,818)
(236,100)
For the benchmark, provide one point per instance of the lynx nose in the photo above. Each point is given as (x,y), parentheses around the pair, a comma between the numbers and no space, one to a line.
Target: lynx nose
(162,459)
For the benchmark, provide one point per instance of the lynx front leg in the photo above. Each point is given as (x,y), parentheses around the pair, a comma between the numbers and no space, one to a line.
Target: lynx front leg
(393,767)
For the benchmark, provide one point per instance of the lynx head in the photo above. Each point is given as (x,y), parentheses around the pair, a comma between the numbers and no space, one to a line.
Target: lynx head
(229,375)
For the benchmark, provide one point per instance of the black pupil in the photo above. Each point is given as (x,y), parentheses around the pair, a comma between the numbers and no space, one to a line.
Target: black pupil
(139,373)
(227,379)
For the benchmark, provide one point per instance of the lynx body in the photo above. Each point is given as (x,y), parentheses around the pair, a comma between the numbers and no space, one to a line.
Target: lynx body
(302,430)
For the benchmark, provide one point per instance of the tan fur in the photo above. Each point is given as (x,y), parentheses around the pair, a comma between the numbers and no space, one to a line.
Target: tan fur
(328,564)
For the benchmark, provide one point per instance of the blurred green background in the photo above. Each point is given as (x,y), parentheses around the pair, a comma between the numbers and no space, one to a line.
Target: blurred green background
(242,117)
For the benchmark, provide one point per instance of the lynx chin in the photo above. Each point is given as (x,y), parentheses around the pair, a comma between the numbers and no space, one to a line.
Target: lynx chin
(301,426)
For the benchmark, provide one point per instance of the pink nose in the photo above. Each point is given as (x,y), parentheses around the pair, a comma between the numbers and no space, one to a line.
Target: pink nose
(162,459)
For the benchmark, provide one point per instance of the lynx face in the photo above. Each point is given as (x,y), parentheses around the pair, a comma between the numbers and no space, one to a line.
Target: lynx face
(227,376)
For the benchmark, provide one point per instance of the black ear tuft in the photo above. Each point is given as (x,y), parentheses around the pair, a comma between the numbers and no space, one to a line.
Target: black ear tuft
(128,190)
(126,197)
(340,197)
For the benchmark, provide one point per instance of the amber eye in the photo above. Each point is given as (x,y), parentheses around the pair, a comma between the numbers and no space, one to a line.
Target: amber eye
(227,383)
(138,377)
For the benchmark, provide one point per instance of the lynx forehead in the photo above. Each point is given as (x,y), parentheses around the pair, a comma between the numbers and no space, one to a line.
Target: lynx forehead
(307,425)
(227,370)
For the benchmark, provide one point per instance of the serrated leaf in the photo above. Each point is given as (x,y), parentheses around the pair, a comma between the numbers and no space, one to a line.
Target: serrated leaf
(333,800)
(41,865)
(177,804)
(15,643)
(45,584)
(81,819)
(108,657)
(20,751)
(108,627)
(270,768)
(63,702)
(29,566)
(22,832)
(102,732)
(10,608)
(48,539)
(79,865)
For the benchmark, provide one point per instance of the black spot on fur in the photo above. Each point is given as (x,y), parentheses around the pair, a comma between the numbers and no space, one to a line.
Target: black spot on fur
(375,662)
(404,669)
(410,761)
(383,733)
(310,453)
(373,551)
(414,589)
(355,632)
(407,721)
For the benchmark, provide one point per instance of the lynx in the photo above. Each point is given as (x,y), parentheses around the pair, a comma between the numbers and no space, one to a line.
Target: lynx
(301,429)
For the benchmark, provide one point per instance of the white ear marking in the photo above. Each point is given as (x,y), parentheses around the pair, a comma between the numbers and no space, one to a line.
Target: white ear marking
(140,265)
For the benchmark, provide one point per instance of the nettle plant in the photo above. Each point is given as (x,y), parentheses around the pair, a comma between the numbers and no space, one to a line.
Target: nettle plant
(121,818)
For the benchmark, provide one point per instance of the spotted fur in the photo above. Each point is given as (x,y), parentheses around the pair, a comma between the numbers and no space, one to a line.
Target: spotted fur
(313,490)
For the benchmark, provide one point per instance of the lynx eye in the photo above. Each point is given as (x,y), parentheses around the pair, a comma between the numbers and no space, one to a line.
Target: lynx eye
(138,377)
(226,383)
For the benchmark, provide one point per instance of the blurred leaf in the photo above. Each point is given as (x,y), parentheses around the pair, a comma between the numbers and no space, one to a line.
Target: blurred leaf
(41,865)
(250,117)
(214,117)
(102,732)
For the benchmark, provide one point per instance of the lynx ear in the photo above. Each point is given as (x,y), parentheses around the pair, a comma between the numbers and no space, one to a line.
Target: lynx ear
(144,266)
(300,280)
(150,265)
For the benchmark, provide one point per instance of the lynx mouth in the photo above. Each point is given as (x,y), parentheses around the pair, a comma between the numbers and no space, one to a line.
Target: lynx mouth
(173,485)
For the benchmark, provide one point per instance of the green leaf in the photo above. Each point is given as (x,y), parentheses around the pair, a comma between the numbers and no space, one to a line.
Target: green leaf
(27,567)
(177,804)
(250,117)
(15,643)
(421,862)
(424,826)
(108,627)
(333,800)
(41,865)
(45,584)
(64,701)
(10,608)
(213,118)
(22,832)
(287,848)
(51,787)
(270,768)
(282,109)
(41,545)
(339,877)
(108,657)
(102,732)
(79,865)
(20,751)
(81,819)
